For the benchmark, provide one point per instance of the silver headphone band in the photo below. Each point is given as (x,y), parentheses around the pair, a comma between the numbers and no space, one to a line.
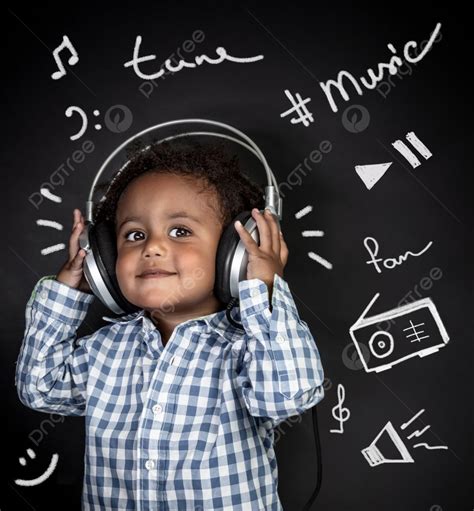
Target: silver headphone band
(274,199)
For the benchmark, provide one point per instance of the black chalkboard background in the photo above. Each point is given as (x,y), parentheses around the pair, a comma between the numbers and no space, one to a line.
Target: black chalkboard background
(405,210)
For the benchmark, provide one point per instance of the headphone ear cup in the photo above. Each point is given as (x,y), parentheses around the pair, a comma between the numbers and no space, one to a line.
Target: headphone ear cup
(227,258)
(103,244)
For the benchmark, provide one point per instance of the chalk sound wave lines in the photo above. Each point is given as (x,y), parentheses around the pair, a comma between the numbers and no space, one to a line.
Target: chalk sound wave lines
(319,234)
(50,223)
(406,152)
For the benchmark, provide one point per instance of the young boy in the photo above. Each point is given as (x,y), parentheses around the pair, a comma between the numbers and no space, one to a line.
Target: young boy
(180,405)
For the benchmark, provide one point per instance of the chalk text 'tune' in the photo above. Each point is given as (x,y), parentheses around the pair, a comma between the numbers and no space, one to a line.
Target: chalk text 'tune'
(198,60)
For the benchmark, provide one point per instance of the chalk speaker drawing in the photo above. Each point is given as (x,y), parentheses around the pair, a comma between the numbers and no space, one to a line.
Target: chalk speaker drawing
(388,446)
(374,455)
(414,329)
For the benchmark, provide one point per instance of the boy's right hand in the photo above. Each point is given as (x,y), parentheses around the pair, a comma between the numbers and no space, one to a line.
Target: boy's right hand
(71,272)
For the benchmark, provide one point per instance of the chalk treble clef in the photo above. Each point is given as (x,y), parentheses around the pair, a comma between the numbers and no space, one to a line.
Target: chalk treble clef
(340,413)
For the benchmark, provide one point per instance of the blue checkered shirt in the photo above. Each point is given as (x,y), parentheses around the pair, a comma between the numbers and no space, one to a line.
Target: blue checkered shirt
(188,426)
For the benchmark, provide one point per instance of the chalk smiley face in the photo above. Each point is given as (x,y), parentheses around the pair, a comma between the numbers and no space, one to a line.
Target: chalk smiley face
(40,479)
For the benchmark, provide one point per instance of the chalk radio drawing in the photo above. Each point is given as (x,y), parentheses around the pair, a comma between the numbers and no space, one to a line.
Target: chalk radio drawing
(398,334)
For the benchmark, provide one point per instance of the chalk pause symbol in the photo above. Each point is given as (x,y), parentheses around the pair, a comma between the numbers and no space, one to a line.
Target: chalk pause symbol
(406,152)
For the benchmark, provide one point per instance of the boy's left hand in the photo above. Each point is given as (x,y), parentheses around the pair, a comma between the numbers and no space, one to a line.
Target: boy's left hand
(272,254)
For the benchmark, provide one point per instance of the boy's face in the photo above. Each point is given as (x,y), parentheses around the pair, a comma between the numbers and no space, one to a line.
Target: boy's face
(183,246)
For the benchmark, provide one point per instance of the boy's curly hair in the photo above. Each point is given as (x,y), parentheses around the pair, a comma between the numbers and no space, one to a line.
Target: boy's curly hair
(206,164)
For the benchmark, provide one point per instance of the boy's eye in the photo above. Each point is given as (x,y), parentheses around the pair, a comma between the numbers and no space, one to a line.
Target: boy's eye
(181,229)
(139,232)
(131,232)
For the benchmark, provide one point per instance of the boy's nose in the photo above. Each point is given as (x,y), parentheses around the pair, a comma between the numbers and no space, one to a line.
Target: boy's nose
(155,245)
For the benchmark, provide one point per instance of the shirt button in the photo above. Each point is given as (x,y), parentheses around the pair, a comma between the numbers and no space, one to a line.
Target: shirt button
(44,294)
(157,409)
(150,464)
(254,293)
(173,360)
(280,339)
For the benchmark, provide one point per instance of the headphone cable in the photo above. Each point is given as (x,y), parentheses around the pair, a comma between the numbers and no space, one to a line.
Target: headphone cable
(319,461)
(230,306)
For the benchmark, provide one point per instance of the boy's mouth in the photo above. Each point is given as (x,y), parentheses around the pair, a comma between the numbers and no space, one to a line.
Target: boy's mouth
(154,273)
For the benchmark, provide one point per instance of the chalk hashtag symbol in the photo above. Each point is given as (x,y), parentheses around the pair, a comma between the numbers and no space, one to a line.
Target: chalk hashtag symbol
(299,107)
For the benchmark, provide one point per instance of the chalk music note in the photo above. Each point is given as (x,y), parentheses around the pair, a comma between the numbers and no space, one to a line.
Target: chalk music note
(338,411)
(73,59)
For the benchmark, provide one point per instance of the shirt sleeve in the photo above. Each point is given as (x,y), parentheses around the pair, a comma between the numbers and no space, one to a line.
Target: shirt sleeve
(281,374)
(51,372)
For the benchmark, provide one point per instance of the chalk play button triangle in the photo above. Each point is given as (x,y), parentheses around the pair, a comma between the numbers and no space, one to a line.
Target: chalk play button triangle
(370,174)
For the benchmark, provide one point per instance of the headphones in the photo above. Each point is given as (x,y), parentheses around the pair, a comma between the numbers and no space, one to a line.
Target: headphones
(99,240)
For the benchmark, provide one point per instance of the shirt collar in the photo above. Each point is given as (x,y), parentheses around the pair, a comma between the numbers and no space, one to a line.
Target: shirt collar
(214,322)
(128,318)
